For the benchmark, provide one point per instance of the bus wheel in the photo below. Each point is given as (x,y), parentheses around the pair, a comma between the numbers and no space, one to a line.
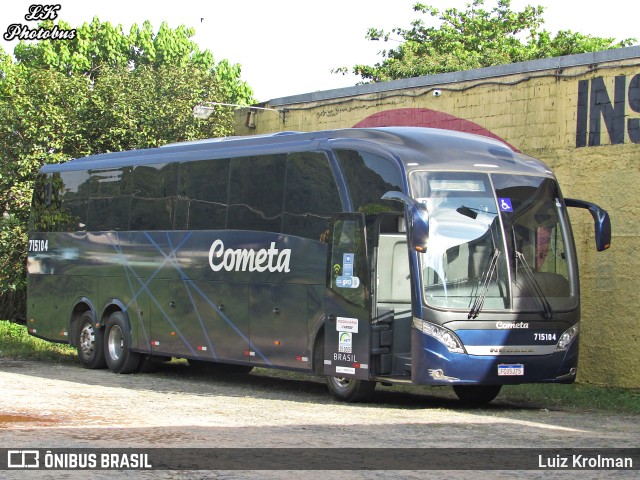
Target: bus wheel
(477,394)
(89,343)
(351,389)
(120,359)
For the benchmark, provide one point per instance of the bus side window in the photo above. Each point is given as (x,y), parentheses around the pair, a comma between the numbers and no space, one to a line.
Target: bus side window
(153,202)
(256,193)
(109,199)
(203,188)
(58,203)
(311,195)
(368,177)
(41,204)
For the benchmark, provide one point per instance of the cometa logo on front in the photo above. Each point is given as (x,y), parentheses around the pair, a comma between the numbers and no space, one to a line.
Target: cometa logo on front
(511,325)
(243,259)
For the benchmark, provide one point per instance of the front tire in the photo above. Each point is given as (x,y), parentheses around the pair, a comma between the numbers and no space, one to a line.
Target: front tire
(89,343)
(117,345)
(477,394)
(351,389)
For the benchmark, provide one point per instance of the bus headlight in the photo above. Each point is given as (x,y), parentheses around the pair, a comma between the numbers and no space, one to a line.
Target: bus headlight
(567,337)
(443,335)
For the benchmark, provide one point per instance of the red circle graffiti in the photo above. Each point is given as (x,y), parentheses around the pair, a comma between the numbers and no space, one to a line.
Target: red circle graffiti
(424,117)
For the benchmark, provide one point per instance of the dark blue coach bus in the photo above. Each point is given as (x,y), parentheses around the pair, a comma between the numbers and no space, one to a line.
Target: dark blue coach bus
(364,255)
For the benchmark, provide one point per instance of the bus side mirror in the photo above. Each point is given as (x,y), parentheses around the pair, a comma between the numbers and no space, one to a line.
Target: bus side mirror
(417,220)
(601,221)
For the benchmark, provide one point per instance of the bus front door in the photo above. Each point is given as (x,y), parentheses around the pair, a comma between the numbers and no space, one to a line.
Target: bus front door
(348,300)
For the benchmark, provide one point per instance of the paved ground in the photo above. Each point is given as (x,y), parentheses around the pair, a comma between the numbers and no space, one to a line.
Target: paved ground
(64,406)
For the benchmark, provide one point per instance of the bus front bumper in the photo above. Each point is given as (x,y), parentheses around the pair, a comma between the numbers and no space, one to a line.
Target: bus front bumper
(434,364)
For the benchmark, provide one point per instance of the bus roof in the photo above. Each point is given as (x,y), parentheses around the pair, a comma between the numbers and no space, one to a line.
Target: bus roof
(415,147)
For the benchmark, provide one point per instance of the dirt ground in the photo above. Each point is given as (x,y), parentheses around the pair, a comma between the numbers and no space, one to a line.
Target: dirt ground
(64,406)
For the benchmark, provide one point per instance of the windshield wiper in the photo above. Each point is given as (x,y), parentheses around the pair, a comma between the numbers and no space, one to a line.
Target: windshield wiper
(535,286)
(483,285)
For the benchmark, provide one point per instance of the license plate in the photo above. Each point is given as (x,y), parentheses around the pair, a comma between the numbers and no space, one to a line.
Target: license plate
(510,370)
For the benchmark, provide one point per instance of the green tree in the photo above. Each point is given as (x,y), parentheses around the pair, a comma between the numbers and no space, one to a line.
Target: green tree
(102,91)
(97,46)
(473,38)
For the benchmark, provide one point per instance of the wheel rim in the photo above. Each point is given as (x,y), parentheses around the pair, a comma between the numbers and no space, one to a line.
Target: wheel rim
(342,382)
(115,343)
(87,341)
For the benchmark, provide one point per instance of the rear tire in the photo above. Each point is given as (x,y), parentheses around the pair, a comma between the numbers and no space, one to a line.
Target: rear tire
(117,345)
(351,389)
(89,343)
(477,394)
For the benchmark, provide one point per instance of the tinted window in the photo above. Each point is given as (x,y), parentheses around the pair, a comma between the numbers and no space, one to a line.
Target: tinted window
(109,199)
(74,189)
(256,193)
(311,195)
(41,205)
(108,213)
(368,177)
(154,199)
(58,204)
(76,208)
(202,195)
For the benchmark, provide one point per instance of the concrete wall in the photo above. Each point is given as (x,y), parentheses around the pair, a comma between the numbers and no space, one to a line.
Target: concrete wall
(579,113)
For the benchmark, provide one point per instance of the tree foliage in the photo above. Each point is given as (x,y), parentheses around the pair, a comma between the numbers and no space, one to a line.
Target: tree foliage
(102,91)
(97,46)
(474,38)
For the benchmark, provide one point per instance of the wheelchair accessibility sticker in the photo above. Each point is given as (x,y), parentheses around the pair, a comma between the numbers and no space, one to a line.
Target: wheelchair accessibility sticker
(505,205)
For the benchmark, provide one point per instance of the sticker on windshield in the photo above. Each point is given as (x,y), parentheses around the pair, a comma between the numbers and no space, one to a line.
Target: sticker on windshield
(505,205)
(347,282)
(347,264)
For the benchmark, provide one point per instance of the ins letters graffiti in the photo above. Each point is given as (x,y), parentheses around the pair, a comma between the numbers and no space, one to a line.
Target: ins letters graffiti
(595,106)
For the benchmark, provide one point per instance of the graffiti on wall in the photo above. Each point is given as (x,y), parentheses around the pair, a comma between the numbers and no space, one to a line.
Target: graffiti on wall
(424,117)
(596,106)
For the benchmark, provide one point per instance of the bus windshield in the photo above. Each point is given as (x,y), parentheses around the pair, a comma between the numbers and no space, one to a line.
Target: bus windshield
(496,242)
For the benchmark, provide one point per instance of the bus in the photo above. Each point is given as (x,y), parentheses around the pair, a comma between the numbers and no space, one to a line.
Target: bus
(374,255)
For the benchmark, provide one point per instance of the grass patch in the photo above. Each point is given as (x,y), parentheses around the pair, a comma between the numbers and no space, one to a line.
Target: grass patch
(16,343)
(574,396)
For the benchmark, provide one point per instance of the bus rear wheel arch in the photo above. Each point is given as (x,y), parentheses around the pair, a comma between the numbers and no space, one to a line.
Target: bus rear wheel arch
(117,345)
